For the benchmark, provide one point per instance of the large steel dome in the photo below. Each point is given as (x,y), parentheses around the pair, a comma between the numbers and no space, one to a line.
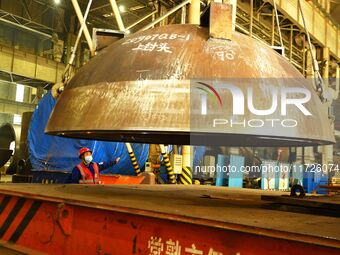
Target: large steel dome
(148,88)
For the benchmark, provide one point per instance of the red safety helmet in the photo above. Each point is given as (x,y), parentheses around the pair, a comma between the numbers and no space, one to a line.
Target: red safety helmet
(83,150)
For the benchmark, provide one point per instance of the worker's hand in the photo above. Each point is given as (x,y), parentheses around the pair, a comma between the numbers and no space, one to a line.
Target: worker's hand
(117,160)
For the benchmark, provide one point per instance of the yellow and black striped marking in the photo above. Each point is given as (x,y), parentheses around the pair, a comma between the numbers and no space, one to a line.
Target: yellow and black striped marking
(14,216)
(135,163)
(186,176)
(170,171)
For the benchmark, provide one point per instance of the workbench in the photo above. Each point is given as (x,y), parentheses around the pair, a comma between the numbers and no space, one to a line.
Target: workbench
(158,219)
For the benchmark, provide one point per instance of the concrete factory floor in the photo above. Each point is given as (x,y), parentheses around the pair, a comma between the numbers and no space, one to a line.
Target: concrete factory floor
(223,207)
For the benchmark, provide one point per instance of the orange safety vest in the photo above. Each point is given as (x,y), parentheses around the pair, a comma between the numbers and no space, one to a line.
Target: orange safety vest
(86,175)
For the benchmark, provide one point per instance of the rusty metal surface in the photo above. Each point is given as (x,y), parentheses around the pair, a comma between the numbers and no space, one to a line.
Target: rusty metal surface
(102,38)
(220,25)
(140,89)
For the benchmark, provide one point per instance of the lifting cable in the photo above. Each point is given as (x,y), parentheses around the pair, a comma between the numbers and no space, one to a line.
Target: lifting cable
(318,79)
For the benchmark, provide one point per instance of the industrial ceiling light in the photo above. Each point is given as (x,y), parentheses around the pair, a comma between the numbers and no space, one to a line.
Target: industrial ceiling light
(122,8)
(107,15)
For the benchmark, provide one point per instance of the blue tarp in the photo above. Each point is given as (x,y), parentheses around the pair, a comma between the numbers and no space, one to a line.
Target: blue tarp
(61,154)
(199,153)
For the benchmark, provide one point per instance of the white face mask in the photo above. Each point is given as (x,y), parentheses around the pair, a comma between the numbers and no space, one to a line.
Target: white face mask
(88,159)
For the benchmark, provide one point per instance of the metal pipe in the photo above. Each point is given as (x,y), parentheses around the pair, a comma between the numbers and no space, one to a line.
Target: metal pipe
(278,23)
(81,20)
(273,28)
(325,69)
(140,20)
(153,18)
(291,43)
(25,6)
(166,15)
(83,24)
(337,80)
(117,15)
(133,159)
(304,56)
(100,7)
(194,12)
(251,18)
(319,81)
(68,70)
(161,11)
(26,28)
(183,15)
(170,171)
(234,4)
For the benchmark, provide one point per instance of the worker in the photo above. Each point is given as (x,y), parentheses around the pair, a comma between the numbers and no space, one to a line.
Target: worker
(87,172)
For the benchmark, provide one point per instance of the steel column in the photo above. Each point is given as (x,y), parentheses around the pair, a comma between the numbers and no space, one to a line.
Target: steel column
(194,12)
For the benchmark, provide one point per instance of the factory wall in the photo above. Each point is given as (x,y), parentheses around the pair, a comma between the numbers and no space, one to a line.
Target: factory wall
(9,106)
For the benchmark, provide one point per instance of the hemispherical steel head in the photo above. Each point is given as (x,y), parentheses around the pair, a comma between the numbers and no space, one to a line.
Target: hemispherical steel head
(173,84)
